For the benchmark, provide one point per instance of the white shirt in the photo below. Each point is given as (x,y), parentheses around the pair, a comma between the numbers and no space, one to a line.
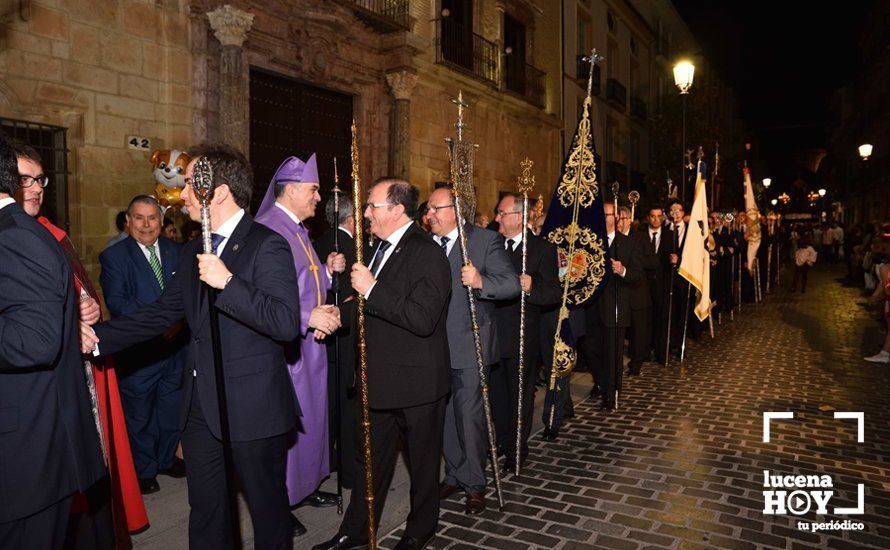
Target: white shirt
(393,241)
(147,254)
(517,241)
(452,238)
(657,233)
(227,228)
(6,202)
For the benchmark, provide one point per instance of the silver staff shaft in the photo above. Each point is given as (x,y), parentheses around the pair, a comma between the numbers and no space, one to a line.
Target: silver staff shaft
(522,298)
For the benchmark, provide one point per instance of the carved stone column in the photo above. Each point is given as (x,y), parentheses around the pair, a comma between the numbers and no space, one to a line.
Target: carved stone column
(402,85)
(230,26)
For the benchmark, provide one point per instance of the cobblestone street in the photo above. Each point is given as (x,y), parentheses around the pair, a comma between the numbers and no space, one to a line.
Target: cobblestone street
(681,463)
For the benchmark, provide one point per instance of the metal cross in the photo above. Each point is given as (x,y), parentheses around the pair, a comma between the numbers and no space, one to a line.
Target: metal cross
(459,101)
(593,59)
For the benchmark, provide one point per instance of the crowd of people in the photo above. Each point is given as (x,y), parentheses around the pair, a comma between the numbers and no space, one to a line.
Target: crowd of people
(122,401)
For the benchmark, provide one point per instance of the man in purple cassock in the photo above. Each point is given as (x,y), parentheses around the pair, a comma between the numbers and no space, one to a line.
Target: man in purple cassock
(290,200)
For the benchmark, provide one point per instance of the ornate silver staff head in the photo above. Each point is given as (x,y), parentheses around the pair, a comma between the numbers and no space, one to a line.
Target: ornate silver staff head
(633,197)
(202,181)
(202,185)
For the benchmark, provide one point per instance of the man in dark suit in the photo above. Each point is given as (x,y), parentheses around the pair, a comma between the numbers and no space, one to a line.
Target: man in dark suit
(660,241)
(49,444)
(682,295)
(134,273)
(492,277)
(258,310)
(406,288)
(640,336)
(605,334)
(345,336)
(541,285)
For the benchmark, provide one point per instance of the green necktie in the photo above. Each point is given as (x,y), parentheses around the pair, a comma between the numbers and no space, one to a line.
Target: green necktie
(155,265)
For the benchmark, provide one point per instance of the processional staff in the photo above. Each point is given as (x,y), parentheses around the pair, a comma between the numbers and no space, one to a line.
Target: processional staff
(461,153)
(526,184)
(359,231)
(204,187)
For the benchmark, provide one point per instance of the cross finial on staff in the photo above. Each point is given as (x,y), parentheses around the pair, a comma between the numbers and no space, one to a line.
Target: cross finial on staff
(593,59)
(459,101)
(526,180)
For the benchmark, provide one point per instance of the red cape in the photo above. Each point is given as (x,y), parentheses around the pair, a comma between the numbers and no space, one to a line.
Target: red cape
(128,508)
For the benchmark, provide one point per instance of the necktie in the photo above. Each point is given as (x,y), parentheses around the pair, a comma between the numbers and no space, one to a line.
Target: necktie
(155,263)
(215,240)
(510,244)
(654,244)
(443,242)
(378,256)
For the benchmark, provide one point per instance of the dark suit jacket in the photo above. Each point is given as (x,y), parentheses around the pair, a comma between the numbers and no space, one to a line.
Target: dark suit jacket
(641,294)
(49,447)
(625,252)
(407,344)
(500,281)
(258,311)
(659,279)
(129,283)
(541,265)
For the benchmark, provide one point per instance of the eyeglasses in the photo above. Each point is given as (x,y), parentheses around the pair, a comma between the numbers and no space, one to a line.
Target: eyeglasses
(27,181)
(501,213)
(376,205)
(433,209)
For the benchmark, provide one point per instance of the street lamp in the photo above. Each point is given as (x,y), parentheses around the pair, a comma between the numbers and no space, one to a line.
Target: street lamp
(865,150)
(774,202)
(684,71)
(767,182)
(822,192)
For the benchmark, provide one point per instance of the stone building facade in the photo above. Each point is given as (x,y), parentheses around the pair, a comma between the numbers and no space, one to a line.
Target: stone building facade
(277,78)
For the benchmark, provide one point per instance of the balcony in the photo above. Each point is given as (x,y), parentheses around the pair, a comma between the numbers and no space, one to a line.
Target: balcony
(615,171)
(383,15)
(525,80)
(616,94)
(463,50)
(638,108)
(582,72)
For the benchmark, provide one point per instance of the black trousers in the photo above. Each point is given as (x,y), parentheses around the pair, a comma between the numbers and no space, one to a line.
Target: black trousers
(347,412)
(504,383)
(640,337)
(45,529)
(659,329)
(420,431)
(605,348)
(260,467)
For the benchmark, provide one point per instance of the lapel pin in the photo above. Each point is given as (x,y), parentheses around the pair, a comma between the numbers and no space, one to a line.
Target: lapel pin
(235,248)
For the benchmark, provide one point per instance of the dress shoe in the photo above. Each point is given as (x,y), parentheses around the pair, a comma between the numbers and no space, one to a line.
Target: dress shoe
(882,356)
(320,499)
(595,391)
(549,435)
(412,543)
(475,504)
(510,464)
(341,542)
(149,486)
(298,528)
(446,490)
(177,470)
(634,372)
(608,404)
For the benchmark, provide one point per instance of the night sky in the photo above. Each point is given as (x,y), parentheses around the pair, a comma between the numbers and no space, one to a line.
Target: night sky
(784,59)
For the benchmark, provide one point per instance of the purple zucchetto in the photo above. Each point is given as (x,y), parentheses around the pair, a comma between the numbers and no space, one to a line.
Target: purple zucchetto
(292,170)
